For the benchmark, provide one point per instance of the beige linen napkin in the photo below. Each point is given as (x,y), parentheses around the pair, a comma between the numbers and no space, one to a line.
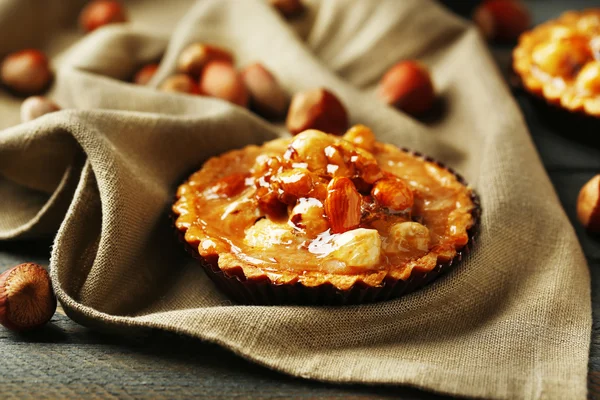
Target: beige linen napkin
(513,321)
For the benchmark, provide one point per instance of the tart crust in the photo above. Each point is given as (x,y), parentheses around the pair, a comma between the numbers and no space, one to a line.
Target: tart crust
(246,281)
(559,61)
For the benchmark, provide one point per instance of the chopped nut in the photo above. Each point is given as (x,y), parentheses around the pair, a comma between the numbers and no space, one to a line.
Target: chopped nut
(357,248)
(406,237)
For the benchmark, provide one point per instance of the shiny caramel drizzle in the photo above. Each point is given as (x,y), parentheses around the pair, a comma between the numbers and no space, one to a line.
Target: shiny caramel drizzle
(560,60)
(317,203)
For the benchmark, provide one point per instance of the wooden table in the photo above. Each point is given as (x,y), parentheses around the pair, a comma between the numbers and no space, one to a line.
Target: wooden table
(66,360)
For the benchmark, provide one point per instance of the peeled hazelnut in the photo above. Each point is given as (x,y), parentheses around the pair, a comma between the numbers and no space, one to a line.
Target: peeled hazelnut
(309,216)
(288,8)
(343,205)
(26,297)
(588,205)
(408,236)
(359,248)
(408,87)
(179,83)
(308,147)
(361,136)
(502,19)
(143,76)
(220,79)
(101,12)
(393,193)
(26,71)
(266,95)
(196,55)
(317,109)
(36,106)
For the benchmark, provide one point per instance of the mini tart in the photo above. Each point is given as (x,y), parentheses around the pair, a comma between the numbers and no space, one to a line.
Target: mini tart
(319,219)
(560,61)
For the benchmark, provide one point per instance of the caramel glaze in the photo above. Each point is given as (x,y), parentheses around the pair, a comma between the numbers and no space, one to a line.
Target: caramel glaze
(223,211)
(560,61)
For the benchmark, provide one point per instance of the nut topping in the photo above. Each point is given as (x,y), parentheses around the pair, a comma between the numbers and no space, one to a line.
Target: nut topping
(393,193)
(343,205)
(230,186)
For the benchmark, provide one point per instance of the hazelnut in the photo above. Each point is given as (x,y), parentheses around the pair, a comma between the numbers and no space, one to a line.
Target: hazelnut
(196,55)
(26,72)
(101,12)
(317,109)
(502,19)
(143,76)
(361,136)
(36,106)
(266,95)
(179,83)
(408,87)
(288,8)
(26,297)
(588,205)
(393,193)
(220,79)
(308,215)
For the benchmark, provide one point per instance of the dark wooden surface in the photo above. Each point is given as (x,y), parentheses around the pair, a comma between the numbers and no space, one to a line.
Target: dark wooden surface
(68,360)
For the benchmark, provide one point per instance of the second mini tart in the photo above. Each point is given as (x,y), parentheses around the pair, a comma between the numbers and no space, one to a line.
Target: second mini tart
(560,61)
(323,219)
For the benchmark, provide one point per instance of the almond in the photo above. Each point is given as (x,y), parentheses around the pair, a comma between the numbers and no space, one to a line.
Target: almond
(588,205)
(267,97)
(393,193)
(343,205)
(179,83)
(196,55)
(408,87)
(143,76)
(220,79)
(230,185)
(26,72)
(317,109)
(101,12)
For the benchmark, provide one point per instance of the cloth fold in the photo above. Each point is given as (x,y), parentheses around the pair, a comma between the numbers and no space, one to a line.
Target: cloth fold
(513,321)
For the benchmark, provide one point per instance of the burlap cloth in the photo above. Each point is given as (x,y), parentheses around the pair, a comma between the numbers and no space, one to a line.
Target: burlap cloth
(513,321)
